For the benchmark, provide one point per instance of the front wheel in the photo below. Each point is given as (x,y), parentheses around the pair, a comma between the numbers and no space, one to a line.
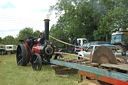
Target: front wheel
(36,62)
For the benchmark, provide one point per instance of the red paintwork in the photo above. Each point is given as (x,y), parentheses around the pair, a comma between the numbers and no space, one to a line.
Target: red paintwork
(36,49)
(103,78)
(28,51)
(38,40)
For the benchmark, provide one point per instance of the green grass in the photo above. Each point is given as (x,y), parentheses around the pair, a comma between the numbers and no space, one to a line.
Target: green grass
(11,74)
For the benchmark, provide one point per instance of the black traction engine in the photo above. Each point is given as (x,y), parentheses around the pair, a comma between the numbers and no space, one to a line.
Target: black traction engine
(38,51)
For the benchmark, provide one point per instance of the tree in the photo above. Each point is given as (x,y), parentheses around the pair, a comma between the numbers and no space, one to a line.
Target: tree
(112,21)
(25,33)
(8,40)
(36,33)
(0,40)
(73,23)
(59,34)
(80,18)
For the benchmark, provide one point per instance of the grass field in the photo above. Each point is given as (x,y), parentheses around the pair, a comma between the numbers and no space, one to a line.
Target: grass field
(11,74)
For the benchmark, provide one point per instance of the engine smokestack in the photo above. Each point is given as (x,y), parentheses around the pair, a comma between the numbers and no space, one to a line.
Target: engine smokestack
(46,22)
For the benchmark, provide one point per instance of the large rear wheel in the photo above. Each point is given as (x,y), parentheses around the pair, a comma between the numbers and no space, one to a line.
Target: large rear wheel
(36,62)
(21,55)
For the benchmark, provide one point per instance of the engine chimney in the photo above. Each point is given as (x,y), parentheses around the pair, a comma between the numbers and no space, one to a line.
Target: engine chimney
(46,22)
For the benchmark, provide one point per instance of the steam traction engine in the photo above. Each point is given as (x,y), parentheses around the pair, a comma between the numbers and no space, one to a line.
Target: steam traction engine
(36,50)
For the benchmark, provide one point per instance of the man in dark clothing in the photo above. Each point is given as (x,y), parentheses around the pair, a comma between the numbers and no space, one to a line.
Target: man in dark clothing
(42,36)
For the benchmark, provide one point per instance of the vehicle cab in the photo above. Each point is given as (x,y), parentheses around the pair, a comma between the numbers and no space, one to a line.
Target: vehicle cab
(79,42)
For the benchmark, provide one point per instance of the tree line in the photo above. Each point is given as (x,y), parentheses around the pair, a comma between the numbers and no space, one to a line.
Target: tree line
(23,35)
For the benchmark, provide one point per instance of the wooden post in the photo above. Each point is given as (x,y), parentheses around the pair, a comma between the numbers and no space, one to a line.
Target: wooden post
(80,78)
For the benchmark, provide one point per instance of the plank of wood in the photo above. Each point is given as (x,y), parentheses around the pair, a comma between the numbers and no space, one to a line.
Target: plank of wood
(118,66)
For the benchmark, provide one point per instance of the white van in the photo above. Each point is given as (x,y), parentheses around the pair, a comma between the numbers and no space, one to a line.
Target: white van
(10,49)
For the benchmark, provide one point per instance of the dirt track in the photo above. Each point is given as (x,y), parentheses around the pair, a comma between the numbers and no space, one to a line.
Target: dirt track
(88,82)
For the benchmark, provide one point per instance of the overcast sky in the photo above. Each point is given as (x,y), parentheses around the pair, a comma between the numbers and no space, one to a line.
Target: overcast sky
(18,14)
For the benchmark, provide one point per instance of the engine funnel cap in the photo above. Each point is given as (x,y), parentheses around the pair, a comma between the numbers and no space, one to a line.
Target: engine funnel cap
(46,20)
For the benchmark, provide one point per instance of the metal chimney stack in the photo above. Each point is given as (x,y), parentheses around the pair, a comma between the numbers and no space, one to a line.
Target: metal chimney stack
(46,22)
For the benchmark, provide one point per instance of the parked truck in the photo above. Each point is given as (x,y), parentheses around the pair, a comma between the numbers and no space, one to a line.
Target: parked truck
(79,42)
(120,38)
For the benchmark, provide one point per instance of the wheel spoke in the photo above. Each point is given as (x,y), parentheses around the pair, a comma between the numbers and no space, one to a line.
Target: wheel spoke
(36,61)
(20,56)
(20,62)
